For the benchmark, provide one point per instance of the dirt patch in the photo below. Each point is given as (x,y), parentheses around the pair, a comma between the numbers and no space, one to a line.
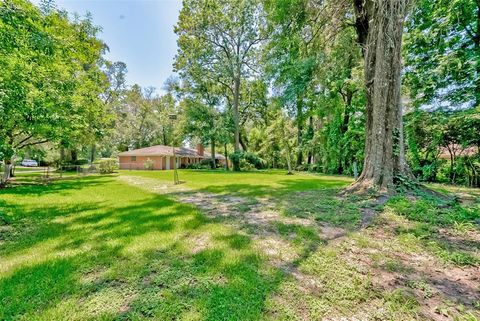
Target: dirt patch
(151,184)
(443,290)
(199,243)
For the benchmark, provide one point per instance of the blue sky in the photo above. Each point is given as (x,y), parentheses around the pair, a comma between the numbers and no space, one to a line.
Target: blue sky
(139,33)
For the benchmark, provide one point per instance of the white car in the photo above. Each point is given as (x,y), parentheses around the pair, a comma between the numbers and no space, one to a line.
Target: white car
(29,163)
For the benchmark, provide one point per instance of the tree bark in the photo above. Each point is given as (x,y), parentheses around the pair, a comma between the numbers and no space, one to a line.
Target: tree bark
(299,131)
(226,156)
(477,47)
(310,129)
(6,173)
(380,28)
(93,151)
(242,143)
(236,121)
(213,163)
(74,155)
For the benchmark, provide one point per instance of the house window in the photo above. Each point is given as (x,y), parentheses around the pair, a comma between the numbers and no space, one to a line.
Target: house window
(133,158)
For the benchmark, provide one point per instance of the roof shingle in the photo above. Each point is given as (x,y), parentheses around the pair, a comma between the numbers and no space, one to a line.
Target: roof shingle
(162,150)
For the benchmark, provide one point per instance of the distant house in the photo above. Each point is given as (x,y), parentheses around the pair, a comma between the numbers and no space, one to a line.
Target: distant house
(162,157)
(457,150)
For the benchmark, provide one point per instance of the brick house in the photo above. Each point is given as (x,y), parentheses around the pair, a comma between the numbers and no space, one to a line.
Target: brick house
(162,157)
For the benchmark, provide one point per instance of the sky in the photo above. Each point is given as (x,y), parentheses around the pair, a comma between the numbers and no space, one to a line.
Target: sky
(138,32)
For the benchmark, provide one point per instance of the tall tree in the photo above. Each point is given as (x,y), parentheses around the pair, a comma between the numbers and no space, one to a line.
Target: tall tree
(292,57)
(442,53)
(220,40)
(379,25)
(50,81)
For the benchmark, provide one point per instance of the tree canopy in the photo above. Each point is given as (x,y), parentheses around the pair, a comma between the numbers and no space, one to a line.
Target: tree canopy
(380,90)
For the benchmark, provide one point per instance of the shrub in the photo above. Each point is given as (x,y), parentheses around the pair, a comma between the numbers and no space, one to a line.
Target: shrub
(432,211)
(80,161)
(107,166)
(148,164)
(248,161)
(254,160)
(197,166)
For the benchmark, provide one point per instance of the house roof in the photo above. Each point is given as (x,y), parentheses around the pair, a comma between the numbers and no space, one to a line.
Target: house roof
(458,150)
(162,150)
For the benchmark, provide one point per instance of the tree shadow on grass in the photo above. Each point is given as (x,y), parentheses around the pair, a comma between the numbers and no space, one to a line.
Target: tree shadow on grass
(61,187)
(130,243)
(263,190)
(165,282)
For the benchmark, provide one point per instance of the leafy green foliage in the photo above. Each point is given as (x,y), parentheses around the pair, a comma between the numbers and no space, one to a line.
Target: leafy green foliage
(429,211)
(107,166)
(442,50)
(49,91)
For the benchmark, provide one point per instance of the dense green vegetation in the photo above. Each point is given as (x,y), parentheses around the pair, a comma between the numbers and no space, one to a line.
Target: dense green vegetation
(273,84)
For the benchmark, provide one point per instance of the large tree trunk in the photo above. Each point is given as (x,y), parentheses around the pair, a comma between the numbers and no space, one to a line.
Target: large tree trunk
(380,29)
(236,121)
(73,155)
(93,151)
(310,129)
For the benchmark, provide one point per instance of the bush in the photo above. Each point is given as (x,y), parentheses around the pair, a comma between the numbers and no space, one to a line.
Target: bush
(107,166)
(148,164)
(80,161)
(254,160)
(197,166)
(248,161)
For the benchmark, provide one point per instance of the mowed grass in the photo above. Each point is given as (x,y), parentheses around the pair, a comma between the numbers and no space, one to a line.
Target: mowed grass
(253,184)
(95,248)
(98,248)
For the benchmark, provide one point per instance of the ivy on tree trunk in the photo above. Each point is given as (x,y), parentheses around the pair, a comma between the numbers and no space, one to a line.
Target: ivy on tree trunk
(379,26)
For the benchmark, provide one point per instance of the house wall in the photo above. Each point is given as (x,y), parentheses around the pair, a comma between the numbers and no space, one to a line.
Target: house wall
(159,162)
(126,162)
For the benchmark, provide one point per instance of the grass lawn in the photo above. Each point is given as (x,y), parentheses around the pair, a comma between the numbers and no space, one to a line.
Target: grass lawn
(233,246)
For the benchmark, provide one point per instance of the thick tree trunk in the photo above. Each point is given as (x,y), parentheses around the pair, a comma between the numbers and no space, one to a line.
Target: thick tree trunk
(73,155)
(382,20)
(236,121)
(213,164)
(310,129)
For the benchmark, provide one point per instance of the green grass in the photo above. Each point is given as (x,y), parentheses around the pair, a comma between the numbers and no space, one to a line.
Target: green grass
(428,216)
(254,184)
(72,244)
(99,248)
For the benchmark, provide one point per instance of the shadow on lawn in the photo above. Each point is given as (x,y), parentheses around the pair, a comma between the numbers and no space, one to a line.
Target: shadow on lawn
(65,185)
(161,278)
(286,186)
(138,259)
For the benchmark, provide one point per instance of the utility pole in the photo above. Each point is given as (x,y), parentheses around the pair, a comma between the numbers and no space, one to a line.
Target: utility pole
(176,181)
